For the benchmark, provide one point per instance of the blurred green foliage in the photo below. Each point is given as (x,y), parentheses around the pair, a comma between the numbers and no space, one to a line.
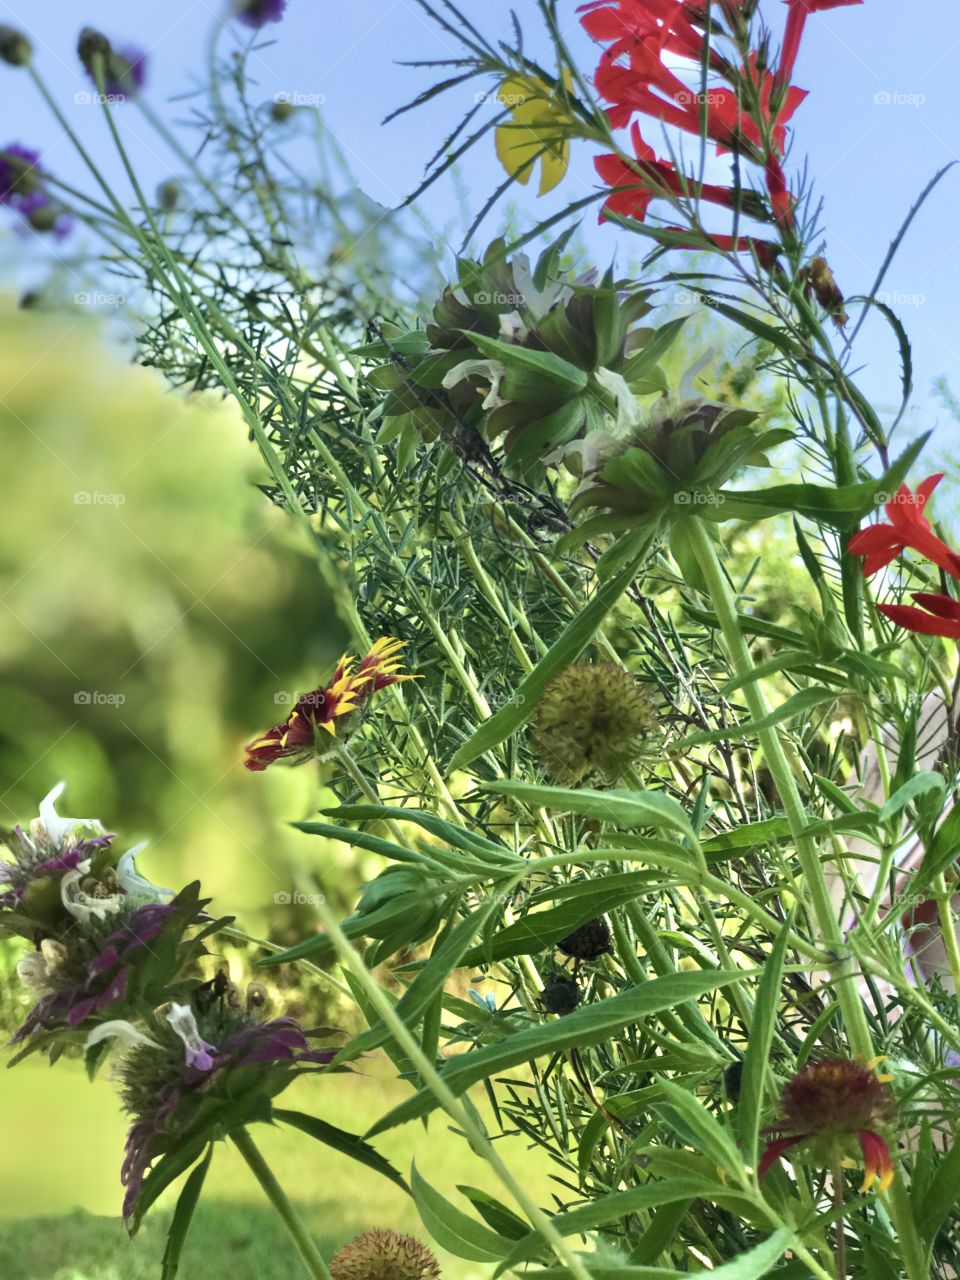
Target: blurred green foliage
(153,605)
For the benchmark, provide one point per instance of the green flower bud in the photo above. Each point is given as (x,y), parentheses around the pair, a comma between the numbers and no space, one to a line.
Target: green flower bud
(15,49)
(168,195)
(592,721)
(90,43)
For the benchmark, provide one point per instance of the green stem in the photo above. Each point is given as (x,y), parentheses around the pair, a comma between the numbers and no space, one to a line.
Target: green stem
(306,1246)
(462,1115)
(843,969)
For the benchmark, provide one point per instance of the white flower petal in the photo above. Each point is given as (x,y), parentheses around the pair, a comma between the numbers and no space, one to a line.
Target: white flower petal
(133,883)
(57,828)
(122,1031)
(82,907)
(491,370)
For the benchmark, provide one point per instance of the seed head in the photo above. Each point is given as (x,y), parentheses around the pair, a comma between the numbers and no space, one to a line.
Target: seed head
(587,942)
(15,49)
(384,1255)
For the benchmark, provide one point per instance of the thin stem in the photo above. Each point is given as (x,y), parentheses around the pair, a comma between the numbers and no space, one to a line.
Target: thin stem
(462,1115)
(843,969)
(306,1246)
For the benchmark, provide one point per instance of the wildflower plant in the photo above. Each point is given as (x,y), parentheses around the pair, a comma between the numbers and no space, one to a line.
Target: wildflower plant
(614,794)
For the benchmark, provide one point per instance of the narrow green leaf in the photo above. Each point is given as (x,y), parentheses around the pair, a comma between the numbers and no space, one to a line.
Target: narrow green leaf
(585,1026)
(348,1144)
(566,649)
(756,1061)
(758,1261)
(799,704)
(453,1229)
(182,1218)
(622,808)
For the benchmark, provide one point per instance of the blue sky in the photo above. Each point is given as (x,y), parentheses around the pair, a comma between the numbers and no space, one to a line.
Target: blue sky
(881,118)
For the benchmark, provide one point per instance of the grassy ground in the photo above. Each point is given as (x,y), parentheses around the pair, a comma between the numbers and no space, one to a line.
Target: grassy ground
(61,1155)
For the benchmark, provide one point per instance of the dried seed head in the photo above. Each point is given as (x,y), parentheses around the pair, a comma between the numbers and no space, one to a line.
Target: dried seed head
(560,994)
(588,942)
(592,720)
(90,43)
(384,1255)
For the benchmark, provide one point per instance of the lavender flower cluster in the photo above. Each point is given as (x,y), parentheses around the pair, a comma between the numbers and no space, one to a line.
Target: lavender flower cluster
(113,961)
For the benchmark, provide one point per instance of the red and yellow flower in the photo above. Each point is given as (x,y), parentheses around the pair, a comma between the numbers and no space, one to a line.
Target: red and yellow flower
(297,737)
(827,1108)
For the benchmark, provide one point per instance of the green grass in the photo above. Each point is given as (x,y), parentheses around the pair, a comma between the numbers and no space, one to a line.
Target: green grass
(59,1168)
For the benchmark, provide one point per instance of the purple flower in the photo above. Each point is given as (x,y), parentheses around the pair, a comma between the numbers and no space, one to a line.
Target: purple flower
(175,1096)
(125,73)
(20,174)
(257,13)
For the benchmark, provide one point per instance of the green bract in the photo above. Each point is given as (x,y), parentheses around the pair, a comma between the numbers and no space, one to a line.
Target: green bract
(528,360)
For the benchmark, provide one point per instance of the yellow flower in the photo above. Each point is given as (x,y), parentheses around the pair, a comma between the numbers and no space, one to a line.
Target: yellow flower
(539,129)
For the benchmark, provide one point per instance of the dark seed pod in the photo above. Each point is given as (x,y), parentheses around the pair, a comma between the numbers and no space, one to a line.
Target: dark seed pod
(560,994)
(587,942)
(732,1081)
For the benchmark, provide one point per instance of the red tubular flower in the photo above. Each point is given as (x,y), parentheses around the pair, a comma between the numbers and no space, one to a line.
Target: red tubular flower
(827,1107)
(942,616)
(793,32)
(908,528)
(627,23)
(649,178)
(781,200)
(296,738)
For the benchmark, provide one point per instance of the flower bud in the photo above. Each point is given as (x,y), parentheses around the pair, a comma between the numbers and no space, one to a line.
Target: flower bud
(589,941)
(90,43)
(15,49)
(168,195)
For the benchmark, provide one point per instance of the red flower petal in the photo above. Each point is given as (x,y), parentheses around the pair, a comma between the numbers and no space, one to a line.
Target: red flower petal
(772,1153)
(911,619)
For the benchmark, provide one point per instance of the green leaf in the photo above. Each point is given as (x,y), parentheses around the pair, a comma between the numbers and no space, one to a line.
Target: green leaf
(756,1062)
(622,808)
(588,1025)
(566,649)
(752,835)
(556,374)
(606,1211)
(940,1198)
(921,784)
(348,1144)
(167,1169)
(705,1133)
(182,1217)
(541,930)
(800,704)
(757,1262)
(454,1230)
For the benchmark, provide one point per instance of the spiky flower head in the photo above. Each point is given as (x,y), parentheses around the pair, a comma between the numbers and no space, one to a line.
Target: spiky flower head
(587,942)
(826,1108)
(384,1255)
(124,72)
(560,994)
(201,1062)
(15,49)
(298,737)
(592,720)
